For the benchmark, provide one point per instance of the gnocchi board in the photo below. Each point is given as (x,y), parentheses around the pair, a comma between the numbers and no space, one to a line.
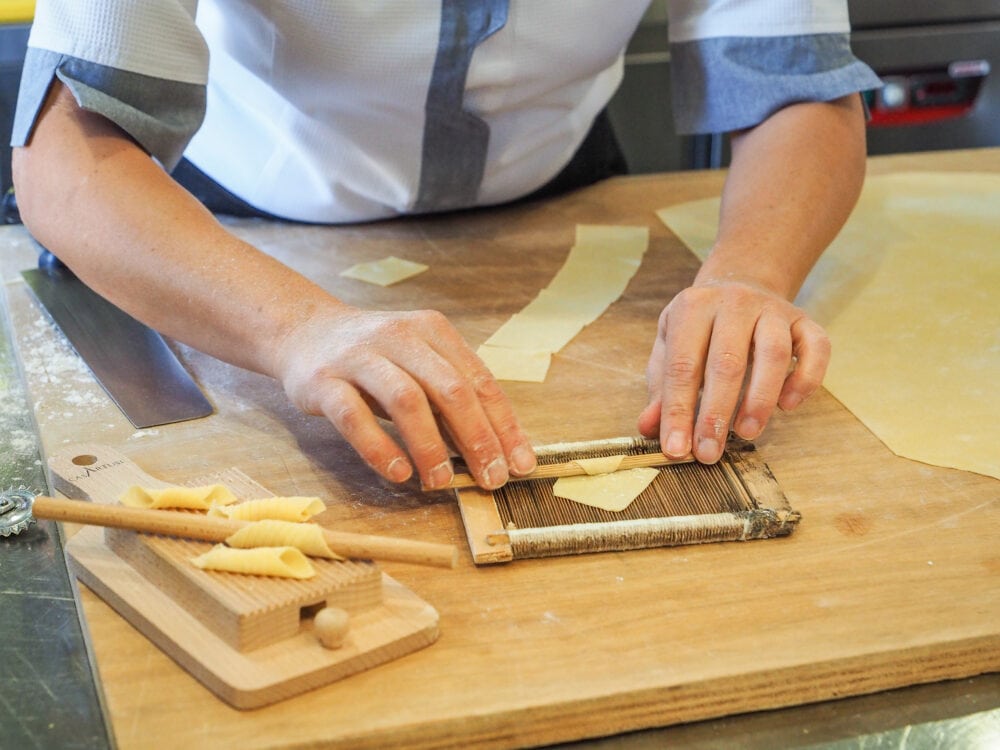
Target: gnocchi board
(737,499)
(248,639)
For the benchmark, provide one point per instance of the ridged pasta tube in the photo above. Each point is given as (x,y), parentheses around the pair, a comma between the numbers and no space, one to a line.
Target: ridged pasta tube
(192,498)
(306,537)
(276,508)
(284,562)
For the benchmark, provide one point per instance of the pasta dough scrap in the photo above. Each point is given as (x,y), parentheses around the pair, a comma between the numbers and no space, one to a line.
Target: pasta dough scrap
(190,498)
(282,562)
(596,272)
(305,537)
(515,364)
(275,508)
(631,240)
(614,491)
(384,272)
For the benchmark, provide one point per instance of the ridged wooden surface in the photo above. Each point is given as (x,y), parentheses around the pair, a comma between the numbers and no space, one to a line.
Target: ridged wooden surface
(218,625)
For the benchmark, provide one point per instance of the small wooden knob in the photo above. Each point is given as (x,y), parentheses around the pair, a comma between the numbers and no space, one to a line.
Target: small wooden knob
(331,625)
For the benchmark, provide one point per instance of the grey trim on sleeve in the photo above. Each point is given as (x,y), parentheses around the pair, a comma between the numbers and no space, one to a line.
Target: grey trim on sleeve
(453,158)
(161,115)
(729,83)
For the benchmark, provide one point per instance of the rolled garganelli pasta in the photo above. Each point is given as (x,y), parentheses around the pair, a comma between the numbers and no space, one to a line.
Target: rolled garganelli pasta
(276,508)
(305,537)
(283,562)
(191,498)
(600,465)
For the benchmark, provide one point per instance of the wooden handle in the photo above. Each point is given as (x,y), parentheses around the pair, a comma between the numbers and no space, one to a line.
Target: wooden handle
(211,529)
(573,469)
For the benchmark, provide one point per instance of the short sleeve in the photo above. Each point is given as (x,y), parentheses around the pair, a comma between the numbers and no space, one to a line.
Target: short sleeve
(144,66)
(733,64)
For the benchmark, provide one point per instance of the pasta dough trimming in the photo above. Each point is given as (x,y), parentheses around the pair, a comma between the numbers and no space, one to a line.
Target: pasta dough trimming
(596,272)
(384,272)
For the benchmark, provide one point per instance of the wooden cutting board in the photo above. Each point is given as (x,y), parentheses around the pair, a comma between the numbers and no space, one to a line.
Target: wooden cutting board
(890,579)
(249,639)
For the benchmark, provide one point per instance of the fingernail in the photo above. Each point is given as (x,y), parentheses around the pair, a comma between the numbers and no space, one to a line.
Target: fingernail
(496,474)
(749,428)
(790,401)
(522,460)
(440,475)
(708,450)
(398,470)
(677,445)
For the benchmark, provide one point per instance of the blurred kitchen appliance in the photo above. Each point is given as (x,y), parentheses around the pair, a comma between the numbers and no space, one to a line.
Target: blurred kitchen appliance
(940,62)
(13,43)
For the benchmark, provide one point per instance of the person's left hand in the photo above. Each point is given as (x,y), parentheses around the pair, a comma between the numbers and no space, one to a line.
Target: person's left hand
(710,338)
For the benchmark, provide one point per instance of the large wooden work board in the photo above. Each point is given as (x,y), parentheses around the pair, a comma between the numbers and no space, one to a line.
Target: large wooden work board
(891,578)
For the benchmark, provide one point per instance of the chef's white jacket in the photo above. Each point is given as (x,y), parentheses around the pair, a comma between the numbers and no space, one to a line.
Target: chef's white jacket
(354,110)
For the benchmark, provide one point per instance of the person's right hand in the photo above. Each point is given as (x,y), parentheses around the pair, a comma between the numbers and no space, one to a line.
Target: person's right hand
(711,337)
(348,364)
(77,183)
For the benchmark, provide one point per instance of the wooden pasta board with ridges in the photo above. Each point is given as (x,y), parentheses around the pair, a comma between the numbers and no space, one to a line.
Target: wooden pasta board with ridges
(736,500)
(247,638)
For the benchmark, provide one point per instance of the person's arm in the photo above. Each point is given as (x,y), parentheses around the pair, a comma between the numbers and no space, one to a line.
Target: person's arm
(793,181)
(94,198)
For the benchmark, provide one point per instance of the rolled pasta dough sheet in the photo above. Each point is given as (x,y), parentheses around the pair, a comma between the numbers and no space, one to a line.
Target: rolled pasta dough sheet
(908,294)
(599,465)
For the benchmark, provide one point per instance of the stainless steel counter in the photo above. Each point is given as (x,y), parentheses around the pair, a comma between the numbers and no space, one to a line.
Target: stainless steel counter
(48,693)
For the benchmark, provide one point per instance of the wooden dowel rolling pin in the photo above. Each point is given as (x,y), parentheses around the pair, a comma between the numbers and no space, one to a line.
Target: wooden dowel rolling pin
(211,529)
(573,469)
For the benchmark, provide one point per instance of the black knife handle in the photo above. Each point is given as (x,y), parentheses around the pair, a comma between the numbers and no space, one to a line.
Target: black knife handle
(8,208)
(49,262)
